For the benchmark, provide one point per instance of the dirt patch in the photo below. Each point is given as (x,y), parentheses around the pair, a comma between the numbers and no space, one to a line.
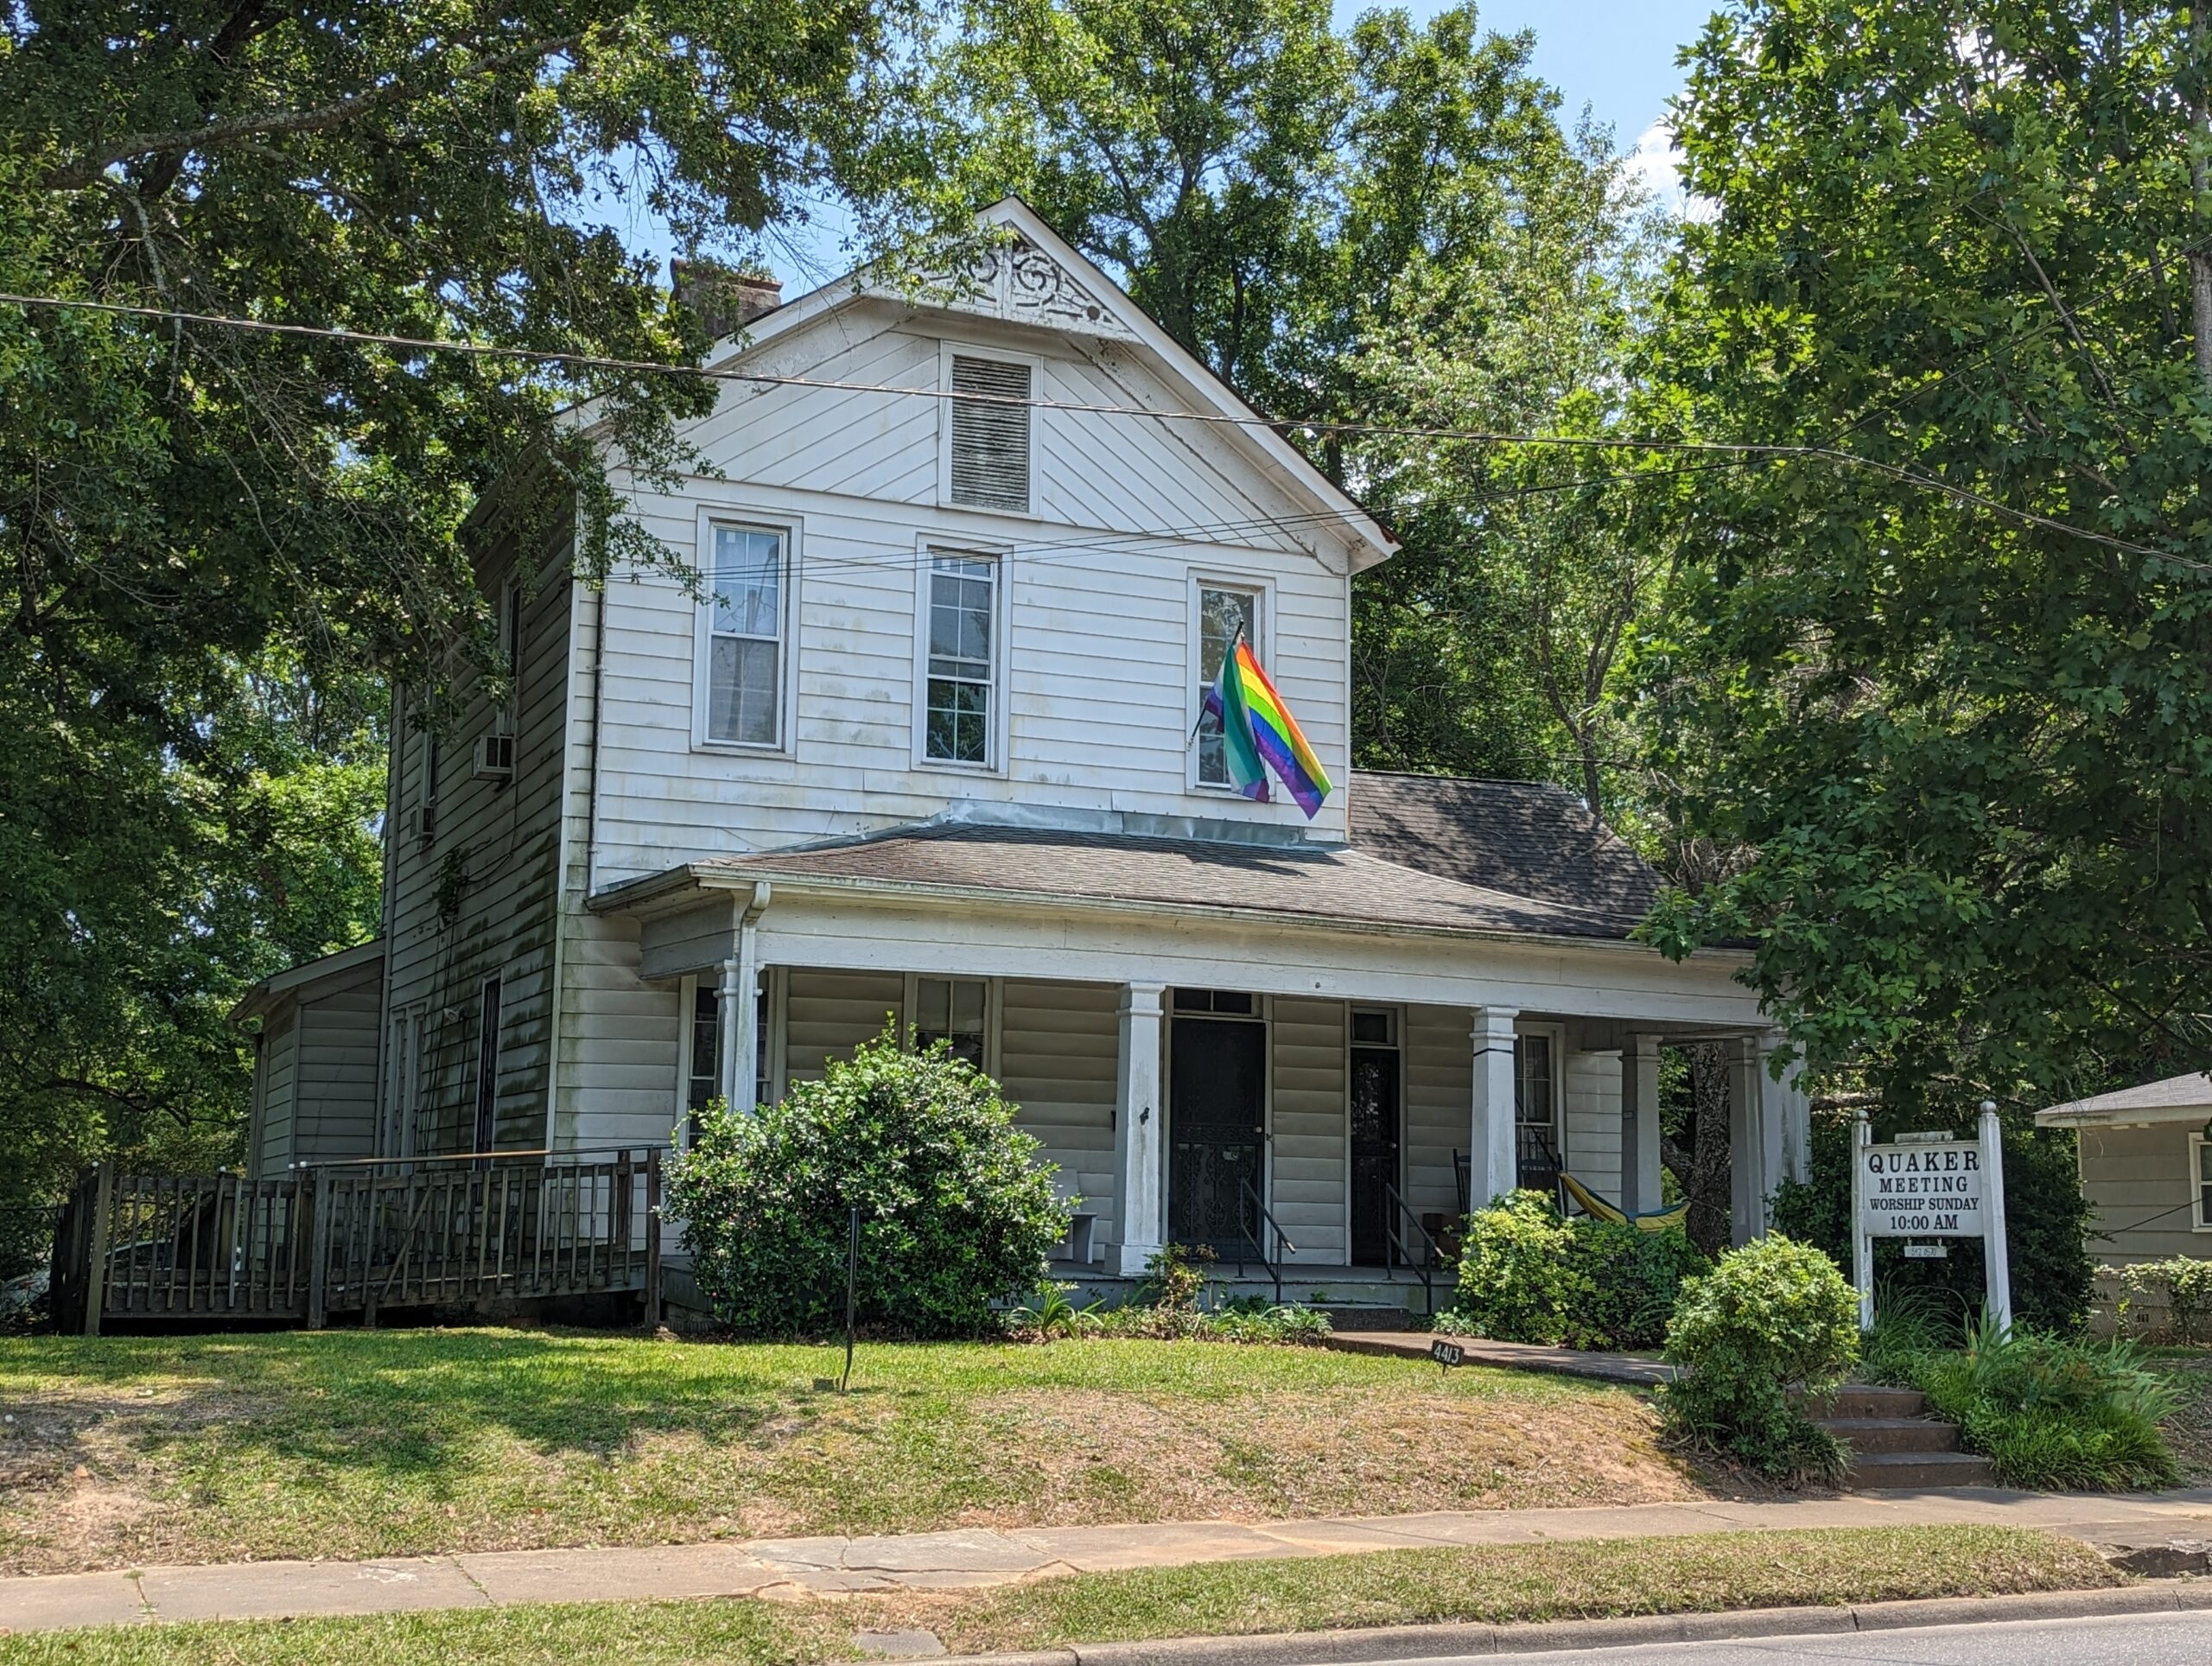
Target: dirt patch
(1117,1457)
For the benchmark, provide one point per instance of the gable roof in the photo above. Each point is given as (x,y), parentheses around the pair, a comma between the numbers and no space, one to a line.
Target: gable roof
(1083,300)
(2177,1099)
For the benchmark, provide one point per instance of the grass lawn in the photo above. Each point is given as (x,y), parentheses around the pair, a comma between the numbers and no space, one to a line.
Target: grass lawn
(130,1451)
(1495,1584)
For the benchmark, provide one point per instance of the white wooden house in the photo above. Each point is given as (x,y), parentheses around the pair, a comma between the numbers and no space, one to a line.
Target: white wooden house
(928,754)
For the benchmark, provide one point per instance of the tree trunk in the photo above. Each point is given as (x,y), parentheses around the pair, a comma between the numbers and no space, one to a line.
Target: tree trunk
(1701,1168)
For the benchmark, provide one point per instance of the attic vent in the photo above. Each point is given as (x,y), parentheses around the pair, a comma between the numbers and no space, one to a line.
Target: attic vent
(990,435)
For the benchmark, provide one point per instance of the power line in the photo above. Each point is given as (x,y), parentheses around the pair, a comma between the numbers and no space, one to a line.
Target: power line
(1896,471)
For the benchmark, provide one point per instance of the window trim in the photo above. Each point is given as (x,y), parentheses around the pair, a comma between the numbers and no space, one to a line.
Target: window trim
(2200,1217)
(1262,589)
(1000,729)
(910,1009)
(1556,1034)
(711,515)
(946,352)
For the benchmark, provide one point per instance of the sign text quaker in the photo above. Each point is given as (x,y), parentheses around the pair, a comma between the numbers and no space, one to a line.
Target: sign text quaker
(1922,1191)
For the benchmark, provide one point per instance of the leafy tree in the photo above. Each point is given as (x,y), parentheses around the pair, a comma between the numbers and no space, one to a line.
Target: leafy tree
(1385,224)
(1955,705)
(188,511)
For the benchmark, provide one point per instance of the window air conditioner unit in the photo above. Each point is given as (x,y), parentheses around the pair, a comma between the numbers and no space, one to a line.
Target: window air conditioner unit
(495,758)
(420,824)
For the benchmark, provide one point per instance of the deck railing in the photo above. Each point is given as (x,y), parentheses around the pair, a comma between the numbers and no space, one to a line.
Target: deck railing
(474,1229)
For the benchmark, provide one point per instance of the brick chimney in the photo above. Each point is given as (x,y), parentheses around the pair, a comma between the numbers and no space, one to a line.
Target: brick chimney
(723,300)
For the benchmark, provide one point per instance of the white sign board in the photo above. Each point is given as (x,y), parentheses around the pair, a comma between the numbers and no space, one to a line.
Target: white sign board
(1922,1191)
(1926,1187)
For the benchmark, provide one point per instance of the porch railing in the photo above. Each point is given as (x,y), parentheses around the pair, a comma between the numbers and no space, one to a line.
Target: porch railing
(1245,1223)
(1424,1264)
(473,1229)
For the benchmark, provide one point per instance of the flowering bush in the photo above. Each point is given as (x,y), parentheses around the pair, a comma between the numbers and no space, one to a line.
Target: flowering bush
(958,1215)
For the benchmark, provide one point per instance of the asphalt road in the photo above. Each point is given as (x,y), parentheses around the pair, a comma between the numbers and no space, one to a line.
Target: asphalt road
(2131,1640)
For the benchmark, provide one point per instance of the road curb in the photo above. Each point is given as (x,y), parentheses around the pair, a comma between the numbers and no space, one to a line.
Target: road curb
(1429,1641)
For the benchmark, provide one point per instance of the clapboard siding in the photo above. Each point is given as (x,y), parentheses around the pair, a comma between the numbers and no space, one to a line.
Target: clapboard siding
(827,1014)
(2137,1180)
(1059,1046)
(1440,1099)
(1307,1182)
(1097,584)
(278,1061)
(1592,1082)
(336,1072)
(480,901)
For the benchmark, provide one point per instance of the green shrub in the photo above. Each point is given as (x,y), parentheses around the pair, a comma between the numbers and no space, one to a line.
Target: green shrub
(956,1213)
(1772,1315)
(1527,1273)
(2183,1284)
(2053,1412)
(1174,1276)
(1249,1319)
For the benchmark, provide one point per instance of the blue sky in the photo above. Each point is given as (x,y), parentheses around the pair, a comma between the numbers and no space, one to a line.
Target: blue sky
(1615,56)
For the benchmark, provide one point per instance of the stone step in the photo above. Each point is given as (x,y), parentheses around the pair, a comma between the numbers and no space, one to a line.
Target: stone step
(1878,1471)
(1890,1434)
(1869,1400)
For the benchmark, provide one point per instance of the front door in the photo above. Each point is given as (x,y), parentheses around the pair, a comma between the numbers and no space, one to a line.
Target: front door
(1217,1108)
(1373,1153)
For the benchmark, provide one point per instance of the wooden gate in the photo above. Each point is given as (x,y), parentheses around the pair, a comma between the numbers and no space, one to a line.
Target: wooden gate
(353,1237)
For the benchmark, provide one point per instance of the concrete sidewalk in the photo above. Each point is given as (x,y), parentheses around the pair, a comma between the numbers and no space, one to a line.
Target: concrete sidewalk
(941,1561)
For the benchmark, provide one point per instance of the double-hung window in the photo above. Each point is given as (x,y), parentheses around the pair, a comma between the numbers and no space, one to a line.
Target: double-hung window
(1224,615)
(2201,1163)
(960,692)
(747,622)
(952,1009)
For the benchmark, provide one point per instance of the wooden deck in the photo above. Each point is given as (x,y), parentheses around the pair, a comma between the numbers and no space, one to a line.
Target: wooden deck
(475,1230)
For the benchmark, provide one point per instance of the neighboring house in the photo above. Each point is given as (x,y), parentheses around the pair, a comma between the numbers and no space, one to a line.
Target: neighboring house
(930,753)
(2146,1167)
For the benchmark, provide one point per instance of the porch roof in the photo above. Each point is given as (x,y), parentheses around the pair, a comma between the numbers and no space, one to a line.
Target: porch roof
(1336,885)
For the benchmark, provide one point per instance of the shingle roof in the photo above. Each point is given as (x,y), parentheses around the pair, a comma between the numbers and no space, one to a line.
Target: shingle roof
(1522,838)
(1474,860)
(2179,1097)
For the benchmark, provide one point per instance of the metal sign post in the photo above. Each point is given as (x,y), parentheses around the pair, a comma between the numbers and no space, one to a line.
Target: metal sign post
(1930,1186)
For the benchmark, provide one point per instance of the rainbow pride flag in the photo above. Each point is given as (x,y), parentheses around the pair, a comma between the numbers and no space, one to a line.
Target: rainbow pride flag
(1258,733)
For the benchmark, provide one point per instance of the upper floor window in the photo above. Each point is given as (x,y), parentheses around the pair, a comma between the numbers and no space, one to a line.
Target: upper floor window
(988,464)
(1223,614)
(746,624)
(960,680)
(2201,1149)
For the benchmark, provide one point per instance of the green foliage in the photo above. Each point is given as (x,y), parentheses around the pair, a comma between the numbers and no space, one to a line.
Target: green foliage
(1959,753)
(2181,1284)
(1773,1316)
(1174,1276)
(1529,1275)
(1053,1317)
(957,1216)
(2051,1412)
(2047,1226)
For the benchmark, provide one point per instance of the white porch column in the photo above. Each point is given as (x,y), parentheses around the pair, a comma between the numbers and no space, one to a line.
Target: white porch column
(1493,1152)
(1641,1192)
(1141,1201)
(1793,1148)
(738,1008)
(1748,1166)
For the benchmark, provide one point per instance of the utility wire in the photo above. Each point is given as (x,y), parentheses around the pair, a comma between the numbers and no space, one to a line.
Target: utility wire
(1896,471)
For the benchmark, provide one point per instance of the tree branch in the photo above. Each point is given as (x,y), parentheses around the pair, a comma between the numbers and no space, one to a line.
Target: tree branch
(76,176)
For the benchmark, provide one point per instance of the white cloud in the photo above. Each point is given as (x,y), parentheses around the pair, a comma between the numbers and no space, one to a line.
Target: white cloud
(1656,164)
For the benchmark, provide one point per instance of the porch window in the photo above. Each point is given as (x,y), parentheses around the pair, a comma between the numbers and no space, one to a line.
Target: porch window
(746,617)
(952,1009)
(960,686)
(2202,1149)
(702,1081)
(1223,615)
(1222,1003)
(1535,1113)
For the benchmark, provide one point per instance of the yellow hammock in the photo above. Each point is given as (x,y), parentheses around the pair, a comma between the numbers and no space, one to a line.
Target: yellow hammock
(1659,1220)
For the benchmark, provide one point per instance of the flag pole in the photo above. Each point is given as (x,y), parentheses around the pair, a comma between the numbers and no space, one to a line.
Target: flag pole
(1227,654)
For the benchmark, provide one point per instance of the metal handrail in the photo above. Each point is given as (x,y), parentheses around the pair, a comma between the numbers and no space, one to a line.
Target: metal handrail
(1283,1245)
(1426,1266)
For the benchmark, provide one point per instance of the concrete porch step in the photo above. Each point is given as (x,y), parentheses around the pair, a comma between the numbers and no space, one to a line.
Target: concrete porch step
(1868,1399)
(1870,1435)
(1876,1471)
